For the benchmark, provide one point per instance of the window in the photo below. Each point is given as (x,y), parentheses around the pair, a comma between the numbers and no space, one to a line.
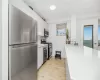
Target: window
(61,29)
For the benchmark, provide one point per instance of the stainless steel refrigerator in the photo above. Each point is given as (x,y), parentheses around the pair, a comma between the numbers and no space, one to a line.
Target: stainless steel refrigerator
(22,42)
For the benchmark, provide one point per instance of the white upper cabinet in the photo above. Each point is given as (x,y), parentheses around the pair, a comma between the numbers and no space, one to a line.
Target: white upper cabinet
(41,25)
(40,28)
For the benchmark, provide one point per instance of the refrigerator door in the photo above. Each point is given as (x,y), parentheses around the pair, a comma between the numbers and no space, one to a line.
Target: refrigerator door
(22,28)
(28,31)
(14,26)
(21,57)
(14,60)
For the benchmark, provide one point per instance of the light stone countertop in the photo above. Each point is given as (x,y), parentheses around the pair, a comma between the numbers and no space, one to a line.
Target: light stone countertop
(83,62)
(42,45)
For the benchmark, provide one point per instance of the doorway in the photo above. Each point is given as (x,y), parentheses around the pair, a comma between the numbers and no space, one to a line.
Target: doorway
(99,37)
(88,36)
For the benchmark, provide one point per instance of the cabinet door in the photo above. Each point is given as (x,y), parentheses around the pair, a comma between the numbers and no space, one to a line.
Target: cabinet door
(40,57)
(34,53)
(14,26)
(40,28)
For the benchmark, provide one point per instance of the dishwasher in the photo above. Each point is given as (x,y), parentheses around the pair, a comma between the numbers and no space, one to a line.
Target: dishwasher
(45,54)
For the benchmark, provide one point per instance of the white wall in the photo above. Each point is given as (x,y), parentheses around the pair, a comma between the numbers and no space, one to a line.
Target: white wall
(4,40)
(73,28)
(80,26)
(57,41)
(0,41)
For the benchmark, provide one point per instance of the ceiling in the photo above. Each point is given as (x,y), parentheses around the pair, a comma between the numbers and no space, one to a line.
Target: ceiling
(64,8)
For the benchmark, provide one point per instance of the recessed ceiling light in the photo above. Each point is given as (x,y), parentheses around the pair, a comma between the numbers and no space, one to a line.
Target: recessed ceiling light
(52,7)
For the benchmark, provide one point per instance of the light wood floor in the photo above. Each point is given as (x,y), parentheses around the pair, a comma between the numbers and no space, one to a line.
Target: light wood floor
(53,69)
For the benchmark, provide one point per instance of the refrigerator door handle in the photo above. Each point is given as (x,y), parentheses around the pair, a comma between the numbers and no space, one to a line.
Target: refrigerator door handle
(23,45)
(16,46)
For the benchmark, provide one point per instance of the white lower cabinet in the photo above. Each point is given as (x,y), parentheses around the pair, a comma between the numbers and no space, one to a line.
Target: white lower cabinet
(40,57)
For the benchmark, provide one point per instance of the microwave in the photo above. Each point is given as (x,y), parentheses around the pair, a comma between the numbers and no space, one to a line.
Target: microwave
(46,33)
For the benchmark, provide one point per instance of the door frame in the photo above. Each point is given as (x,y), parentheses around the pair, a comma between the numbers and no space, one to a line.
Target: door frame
(92,34)
(98,35)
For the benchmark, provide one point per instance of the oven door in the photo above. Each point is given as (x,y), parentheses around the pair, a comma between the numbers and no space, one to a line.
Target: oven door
(44,54)
(50,51)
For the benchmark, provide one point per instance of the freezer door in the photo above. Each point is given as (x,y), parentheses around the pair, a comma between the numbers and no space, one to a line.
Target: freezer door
(21,57)
(22,28)
(14,61)
(34,61)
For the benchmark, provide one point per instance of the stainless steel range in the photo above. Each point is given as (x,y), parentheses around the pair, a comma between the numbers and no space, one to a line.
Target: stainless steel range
(43,41)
